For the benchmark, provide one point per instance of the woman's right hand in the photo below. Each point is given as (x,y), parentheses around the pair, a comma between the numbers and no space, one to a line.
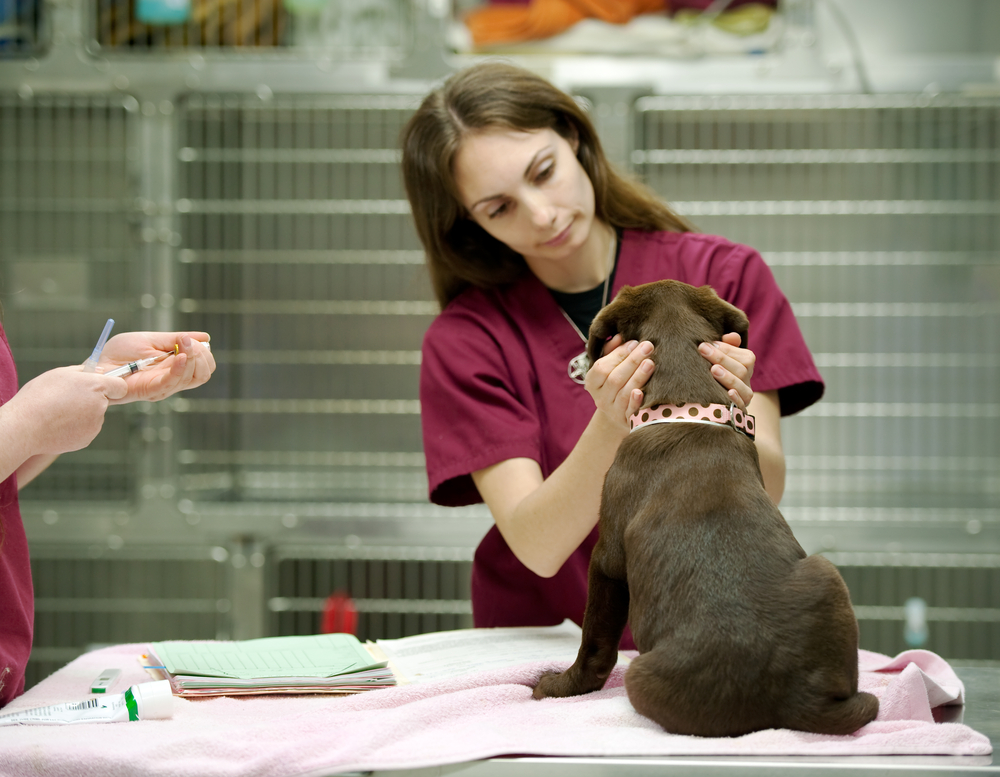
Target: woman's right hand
(61,410)
(615,380)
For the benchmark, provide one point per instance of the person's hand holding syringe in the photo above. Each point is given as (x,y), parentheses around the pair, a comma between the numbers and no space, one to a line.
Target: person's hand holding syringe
(63,409)
(147,357)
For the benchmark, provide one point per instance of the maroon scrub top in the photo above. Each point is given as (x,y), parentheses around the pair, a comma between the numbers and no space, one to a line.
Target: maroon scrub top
(494,386)
(17,602)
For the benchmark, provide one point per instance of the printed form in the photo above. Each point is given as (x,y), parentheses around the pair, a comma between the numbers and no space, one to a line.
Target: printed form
(445,654)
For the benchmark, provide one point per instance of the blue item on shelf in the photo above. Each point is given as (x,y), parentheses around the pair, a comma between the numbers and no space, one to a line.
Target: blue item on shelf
(162,11)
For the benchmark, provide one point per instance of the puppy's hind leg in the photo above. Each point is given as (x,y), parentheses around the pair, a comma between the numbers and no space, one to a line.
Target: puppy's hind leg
(657,691)
(649,689)
(687,700)
(829,702)
(603,623)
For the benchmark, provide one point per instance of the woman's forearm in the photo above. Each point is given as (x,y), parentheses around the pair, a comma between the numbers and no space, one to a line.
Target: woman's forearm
(766,410)
(544,521)
(58,411)
(15,445)
(34,467)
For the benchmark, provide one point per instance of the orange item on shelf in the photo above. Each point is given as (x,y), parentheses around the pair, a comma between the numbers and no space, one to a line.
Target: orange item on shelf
(508,23)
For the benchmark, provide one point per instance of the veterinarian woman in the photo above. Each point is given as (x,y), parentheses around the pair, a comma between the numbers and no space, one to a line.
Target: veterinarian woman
(528,232)
(62,410)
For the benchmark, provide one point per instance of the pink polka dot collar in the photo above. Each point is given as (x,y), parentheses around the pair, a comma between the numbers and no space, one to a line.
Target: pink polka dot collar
(730,416)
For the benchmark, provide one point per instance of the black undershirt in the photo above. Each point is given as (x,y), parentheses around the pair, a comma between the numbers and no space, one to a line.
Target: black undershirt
(582,306)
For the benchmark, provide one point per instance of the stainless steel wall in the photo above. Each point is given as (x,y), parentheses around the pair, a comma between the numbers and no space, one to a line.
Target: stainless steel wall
(257,196)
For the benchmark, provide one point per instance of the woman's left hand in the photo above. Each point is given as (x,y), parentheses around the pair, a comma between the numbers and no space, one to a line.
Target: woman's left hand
(192,366)
(732,366)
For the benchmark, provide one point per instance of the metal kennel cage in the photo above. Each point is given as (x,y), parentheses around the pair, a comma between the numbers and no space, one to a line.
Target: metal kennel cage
(255,194)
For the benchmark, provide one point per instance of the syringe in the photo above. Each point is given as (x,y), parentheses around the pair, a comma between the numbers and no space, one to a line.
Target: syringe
(140,364)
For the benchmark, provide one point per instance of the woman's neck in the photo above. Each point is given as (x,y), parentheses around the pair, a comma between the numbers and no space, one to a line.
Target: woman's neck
(588,268)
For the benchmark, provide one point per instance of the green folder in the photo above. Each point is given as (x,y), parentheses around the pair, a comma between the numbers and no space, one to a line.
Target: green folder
(320,655)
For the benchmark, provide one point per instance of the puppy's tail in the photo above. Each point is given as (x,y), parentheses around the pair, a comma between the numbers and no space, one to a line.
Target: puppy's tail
(840,716)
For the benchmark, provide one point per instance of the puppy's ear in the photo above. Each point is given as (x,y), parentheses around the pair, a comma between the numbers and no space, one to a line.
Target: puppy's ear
(605,326)
(725,317)
(735,320)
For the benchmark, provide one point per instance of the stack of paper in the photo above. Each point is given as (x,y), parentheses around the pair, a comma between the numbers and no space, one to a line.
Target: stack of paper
(447,654)
(324,663)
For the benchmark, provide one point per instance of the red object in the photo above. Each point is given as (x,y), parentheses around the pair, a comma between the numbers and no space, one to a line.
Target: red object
(340,616)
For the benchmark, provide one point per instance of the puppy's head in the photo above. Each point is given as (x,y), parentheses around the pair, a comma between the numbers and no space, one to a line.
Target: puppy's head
(675,317)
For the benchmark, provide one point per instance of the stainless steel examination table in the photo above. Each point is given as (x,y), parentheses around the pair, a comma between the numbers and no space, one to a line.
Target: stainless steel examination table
(981,712)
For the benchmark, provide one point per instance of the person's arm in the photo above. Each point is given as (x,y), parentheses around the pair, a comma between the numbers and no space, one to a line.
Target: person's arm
(34,467)
(62,410)
(59,411)
(766,411)
(544,520)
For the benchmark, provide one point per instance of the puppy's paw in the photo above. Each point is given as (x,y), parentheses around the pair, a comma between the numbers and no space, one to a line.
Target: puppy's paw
(555,684)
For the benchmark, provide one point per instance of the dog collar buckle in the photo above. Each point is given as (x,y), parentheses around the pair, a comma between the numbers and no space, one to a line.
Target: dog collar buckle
(741,422)
(730,416)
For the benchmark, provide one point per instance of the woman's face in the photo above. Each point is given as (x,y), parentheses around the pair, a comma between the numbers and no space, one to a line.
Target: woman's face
(528,190)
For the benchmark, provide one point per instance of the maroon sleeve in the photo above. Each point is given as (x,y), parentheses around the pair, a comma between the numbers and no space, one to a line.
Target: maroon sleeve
(472,412)
(17,603)
(783,359)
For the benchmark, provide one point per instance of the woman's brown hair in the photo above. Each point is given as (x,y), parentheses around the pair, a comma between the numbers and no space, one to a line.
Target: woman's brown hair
(460,253)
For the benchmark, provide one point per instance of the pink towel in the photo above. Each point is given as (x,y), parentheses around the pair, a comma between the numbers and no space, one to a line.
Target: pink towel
(450,721)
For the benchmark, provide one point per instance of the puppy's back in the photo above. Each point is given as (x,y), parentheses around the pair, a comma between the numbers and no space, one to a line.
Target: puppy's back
(739,630)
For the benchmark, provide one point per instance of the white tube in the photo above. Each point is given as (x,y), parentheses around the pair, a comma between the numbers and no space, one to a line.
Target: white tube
(147,701)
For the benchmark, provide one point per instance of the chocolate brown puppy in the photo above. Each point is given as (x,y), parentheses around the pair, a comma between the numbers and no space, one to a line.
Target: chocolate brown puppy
(737,628)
